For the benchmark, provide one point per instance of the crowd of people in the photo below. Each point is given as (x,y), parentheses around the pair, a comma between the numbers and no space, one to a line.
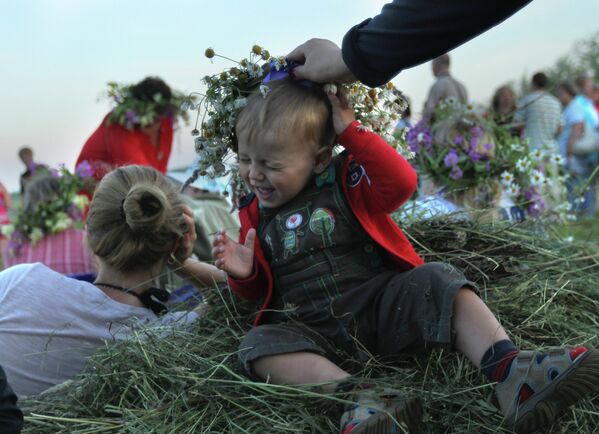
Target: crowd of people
(316,241)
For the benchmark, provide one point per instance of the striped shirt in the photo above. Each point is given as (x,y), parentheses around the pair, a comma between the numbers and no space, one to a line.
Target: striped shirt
(65,252)
(541,114)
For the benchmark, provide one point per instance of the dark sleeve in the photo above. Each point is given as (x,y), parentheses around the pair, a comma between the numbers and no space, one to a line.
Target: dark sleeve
(11,418)
(409,32)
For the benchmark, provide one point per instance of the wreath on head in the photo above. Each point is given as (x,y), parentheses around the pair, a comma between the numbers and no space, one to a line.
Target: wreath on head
(133,113)
(226,95)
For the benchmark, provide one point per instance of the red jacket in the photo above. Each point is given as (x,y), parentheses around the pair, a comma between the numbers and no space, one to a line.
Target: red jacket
(113,145)
(376,180)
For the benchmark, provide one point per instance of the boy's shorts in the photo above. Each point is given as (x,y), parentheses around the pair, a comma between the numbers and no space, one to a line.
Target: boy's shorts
(408,311)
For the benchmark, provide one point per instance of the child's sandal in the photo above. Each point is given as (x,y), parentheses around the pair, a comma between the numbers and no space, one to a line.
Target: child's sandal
(550,382)
(383,412)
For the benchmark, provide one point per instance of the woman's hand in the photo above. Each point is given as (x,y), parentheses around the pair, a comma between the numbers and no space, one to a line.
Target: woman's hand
(343,113)
(235,259)
(186,242)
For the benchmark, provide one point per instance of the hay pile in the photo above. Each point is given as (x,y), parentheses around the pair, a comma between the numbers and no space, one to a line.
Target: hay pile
(545,292)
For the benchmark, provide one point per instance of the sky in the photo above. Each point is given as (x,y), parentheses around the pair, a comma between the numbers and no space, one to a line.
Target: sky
(56,57)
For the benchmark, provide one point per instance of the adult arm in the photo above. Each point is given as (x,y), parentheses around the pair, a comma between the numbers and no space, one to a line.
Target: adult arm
(575,135)
(409,32)
(11,418)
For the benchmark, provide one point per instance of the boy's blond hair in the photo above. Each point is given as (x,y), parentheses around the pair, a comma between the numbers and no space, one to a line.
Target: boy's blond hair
(290,110)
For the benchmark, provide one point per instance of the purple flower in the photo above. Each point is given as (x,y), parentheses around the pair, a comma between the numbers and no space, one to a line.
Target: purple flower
(451,159)
(419,136)
(54,173)
(132,117)
(473,143)
(477,132)
(456,173)
(458,140)
(84,169)
(536,208)
(487,166)
(474,156)
(488,146)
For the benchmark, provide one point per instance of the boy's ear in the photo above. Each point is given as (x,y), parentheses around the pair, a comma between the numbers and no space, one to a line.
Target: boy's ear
(323,159)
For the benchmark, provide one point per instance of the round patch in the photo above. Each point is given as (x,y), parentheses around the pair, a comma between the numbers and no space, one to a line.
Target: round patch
(322,221)
(293,221)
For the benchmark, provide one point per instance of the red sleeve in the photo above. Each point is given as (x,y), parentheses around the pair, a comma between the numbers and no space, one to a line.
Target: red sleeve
(255,286)
(387,179)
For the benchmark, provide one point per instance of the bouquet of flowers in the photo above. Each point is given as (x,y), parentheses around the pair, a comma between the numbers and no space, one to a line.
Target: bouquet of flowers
(56,213)
(464,151)
(226,95)
(132,113)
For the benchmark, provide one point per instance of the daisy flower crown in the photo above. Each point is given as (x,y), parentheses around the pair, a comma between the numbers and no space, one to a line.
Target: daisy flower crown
(133,113)
(378,109)
(63,210)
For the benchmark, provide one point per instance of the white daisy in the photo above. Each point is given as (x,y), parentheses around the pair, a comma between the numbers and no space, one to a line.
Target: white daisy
(522,164)
(537,154)
(516,147)
(557,159)
(507,178)
(513,190)
(537,178)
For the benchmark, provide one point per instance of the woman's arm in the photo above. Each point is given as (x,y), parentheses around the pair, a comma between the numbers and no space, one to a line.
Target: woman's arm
(575,135)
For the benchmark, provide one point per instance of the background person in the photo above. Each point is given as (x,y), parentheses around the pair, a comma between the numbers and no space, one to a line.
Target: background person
(49,228)
(445,86)
(50,324)
(503,105)
(580,166)
(31,167)
(539,113)
(139,130)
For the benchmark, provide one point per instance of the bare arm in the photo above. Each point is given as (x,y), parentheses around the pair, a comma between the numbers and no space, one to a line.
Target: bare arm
(575,135)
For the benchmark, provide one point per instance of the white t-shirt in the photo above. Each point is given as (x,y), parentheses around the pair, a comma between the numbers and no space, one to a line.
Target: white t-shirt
(50,324)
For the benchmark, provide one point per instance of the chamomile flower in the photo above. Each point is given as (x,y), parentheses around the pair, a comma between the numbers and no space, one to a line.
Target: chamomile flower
(537,178)
(7,230)
(507,178)
(557,159)
(513,190)
(522,164)
(537,154)
(516,147)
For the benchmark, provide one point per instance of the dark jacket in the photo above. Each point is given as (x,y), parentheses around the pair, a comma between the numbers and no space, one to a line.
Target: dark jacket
(409,32)
(11,418)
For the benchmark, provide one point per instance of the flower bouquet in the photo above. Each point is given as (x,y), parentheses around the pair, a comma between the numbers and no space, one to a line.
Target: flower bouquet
(477,164)
(42,216)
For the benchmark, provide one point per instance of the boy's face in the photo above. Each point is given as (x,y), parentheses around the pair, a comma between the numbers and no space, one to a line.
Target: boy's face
(276,172)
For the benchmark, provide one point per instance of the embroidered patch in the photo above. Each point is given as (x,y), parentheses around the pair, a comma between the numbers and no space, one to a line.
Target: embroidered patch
(355,174)
(289,243)
(294,221)
(322,222)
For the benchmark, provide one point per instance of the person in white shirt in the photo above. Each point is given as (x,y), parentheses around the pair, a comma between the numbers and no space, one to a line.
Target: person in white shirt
(539,112)
(50,323)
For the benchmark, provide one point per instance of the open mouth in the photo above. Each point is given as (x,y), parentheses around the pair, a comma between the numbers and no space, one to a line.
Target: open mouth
(263,192)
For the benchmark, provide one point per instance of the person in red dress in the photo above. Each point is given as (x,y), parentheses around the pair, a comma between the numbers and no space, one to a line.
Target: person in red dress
(139,130)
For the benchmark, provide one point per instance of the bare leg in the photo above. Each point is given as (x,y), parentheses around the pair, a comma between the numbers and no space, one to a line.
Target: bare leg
(298,368)
(476,326)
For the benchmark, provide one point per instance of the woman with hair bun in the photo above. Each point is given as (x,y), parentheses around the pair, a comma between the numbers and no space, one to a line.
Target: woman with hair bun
(50,324)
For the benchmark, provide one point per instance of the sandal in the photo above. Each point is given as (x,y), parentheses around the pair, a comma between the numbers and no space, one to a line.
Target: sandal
(386,412)
(551,382)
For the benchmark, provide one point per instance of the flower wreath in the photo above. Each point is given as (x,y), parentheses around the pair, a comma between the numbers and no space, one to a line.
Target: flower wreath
(132,113)
(65,210)
(462,148)
(226,95)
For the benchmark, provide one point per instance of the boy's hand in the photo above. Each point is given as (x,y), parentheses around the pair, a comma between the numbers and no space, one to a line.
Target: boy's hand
(233,258)
(343,113)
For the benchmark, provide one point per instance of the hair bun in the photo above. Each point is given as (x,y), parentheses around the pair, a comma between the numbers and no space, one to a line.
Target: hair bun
(145,208)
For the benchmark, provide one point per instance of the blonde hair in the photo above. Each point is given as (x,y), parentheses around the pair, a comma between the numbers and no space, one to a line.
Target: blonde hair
(290,110)
(135,218)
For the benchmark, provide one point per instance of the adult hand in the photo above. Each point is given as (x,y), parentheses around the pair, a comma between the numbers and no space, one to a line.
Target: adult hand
(322,62)
(343,113)
(185,248)
(235,259)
